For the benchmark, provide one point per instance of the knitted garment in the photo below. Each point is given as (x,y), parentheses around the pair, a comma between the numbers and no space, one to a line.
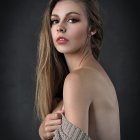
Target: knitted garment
(67,131)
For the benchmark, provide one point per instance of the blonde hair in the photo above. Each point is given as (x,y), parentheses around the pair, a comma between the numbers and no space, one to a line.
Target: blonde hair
(51,65)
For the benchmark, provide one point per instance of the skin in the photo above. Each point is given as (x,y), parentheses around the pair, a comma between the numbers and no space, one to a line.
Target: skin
(51,123)
(87,88)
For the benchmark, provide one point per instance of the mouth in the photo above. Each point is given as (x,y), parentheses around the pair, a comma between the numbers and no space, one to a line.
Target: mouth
(62,40)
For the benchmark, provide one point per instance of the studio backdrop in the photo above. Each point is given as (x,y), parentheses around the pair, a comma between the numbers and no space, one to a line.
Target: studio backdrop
(20,23)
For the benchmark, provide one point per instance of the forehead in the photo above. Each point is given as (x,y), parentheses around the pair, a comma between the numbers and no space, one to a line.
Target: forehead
(66,6)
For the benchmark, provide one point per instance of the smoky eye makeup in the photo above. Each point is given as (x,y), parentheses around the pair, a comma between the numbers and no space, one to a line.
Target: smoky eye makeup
(54,21)
(72,19)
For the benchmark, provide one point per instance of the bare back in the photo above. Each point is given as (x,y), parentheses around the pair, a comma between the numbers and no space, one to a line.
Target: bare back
(103,123)
(103,110)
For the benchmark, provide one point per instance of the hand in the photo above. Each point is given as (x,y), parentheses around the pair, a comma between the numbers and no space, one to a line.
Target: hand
(50,124)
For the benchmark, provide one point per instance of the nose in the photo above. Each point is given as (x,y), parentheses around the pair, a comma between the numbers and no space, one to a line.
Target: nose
(61,29)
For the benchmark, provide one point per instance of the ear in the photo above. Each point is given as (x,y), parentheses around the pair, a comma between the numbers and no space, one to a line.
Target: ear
(93,32)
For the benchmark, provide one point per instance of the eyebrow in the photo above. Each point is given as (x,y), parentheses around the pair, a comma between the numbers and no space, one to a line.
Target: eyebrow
(66,14)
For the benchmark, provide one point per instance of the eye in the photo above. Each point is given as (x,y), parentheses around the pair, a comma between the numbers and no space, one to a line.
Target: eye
(72,20)
(54,21)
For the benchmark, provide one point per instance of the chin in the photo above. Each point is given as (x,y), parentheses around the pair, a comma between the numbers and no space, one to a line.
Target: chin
(65,49)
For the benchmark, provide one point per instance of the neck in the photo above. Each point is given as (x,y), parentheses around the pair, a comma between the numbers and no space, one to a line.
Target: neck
(75,61)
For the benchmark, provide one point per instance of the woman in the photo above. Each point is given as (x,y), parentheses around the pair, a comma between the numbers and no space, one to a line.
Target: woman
(69,76)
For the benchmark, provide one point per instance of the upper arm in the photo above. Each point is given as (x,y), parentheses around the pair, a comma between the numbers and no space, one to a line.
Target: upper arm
(76,102)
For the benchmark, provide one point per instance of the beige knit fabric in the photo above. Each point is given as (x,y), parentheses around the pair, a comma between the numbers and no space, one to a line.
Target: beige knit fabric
(67,131)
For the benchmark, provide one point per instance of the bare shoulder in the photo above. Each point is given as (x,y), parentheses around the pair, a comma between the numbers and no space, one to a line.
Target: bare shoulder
(81,82)
(75,83)
(91,81)
(76,78)
(91,86)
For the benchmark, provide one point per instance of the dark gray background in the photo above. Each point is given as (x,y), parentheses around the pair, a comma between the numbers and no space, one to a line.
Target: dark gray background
(19,30)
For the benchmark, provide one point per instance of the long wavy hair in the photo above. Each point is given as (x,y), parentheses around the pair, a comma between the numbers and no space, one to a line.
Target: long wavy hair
(51,65)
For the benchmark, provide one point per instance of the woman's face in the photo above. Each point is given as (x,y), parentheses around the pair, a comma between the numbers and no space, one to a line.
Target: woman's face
(69,26)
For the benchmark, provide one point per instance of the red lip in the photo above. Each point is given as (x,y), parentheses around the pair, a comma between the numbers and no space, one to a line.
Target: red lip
(62,40)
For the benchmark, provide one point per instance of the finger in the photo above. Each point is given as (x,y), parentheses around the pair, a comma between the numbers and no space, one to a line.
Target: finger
(54,116)
(48,136)
(51,128)
(60,111)
(53,122)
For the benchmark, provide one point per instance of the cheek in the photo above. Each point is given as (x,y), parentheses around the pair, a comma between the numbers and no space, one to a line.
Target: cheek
(79,34)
